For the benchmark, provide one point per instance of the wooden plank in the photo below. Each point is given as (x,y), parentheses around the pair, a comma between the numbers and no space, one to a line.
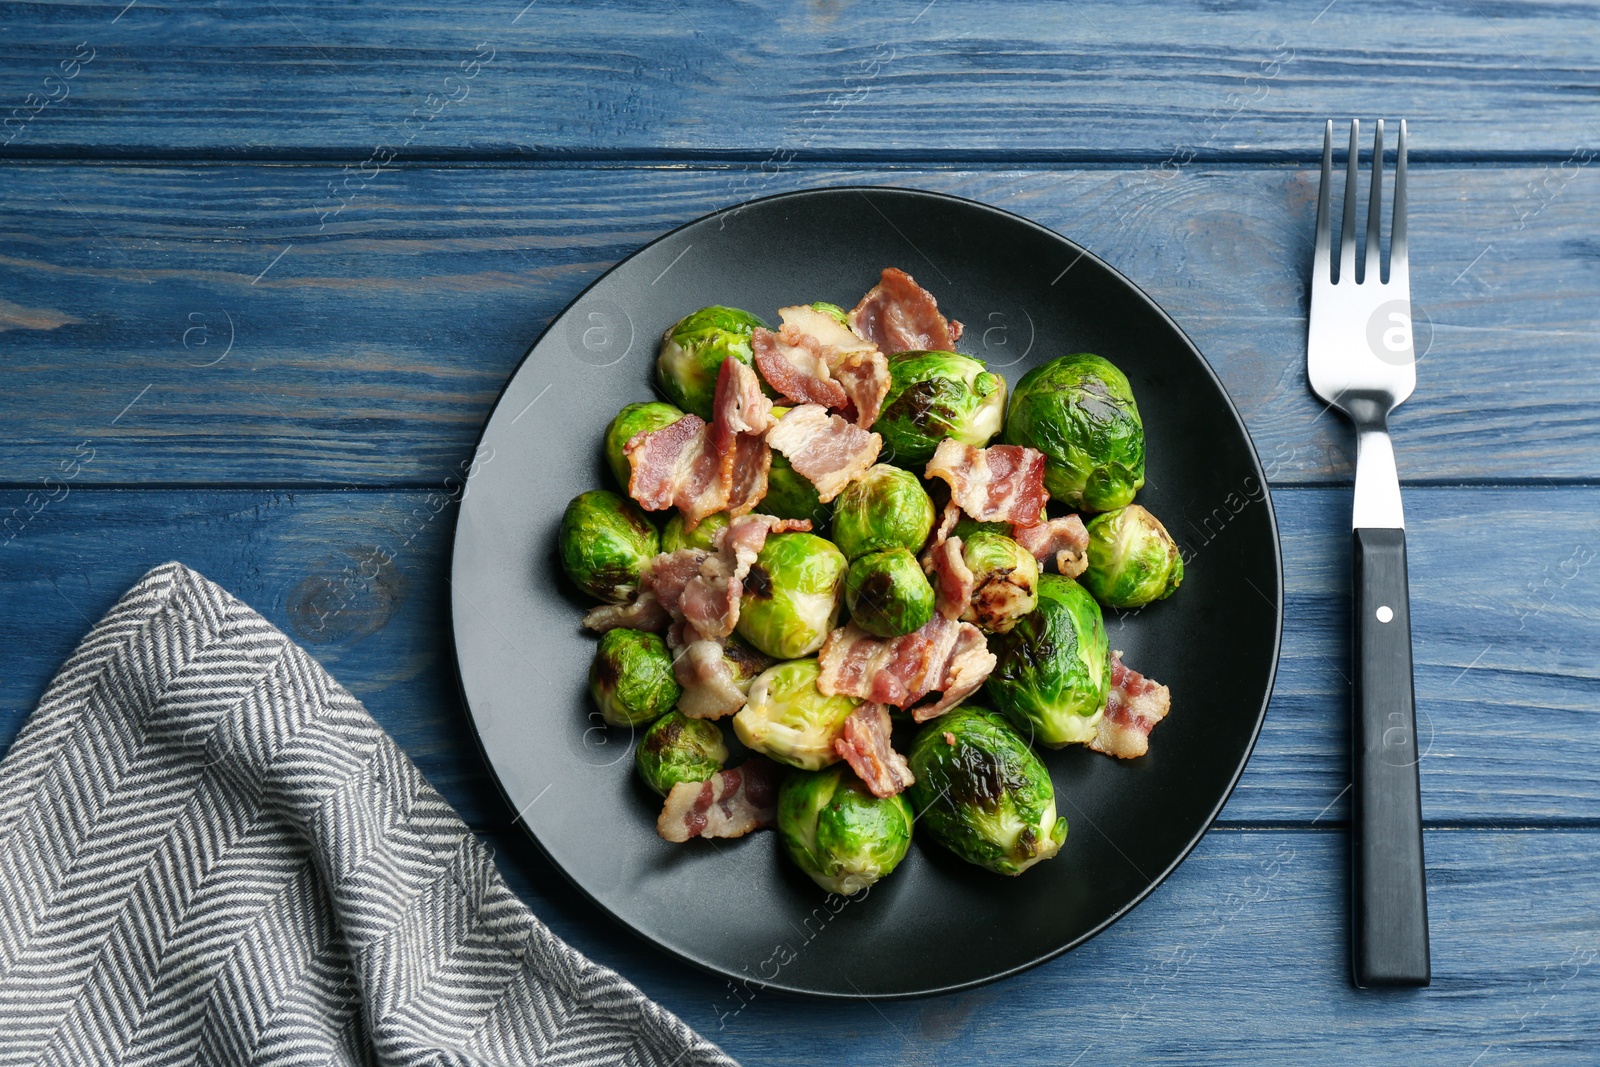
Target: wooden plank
(902,78)
(368,351)
(1241,957)
(1503,594)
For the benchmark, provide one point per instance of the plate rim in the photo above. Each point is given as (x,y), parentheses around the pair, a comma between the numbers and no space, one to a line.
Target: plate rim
(1058,951)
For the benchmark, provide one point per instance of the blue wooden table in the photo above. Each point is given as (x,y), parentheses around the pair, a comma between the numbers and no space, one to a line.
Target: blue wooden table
(264,267)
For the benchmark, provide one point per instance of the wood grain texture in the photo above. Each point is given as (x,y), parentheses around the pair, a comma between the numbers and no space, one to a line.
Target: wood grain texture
(1241,957)
(901,78)
(366,348)
(1497,647)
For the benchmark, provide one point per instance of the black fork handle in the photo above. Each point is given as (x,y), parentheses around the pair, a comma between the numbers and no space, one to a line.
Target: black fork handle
(1390,920)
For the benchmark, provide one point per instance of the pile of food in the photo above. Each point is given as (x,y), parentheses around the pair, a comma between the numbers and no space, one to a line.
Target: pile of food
(844,549)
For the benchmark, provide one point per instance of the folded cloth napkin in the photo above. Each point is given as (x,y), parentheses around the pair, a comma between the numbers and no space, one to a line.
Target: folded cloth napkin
(210,853)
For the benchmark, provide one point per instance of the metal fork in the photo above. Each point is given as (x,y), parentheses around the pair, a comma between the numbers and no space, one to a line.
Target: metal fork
(1360,360)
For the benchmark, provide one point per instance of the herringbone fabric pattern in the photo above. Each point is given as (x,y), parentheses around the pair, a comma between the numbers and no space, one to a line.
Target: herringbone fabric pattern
(210,853)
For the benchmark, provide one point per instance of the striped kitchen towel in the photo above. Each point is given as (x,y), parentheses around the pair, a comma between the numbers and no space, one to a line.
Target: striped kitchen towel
(210,853)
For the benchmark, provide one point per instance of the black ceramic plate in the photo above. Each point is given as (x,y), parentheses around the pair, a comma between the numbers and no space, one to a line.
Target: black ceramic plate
(738,908)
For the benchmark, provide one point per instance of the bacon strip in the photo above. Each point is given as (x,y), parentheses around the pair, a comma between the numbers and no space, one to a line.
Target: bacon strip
(815,359)
(950,656)
(677,466)
(730,803)
(998,483)
(1064,539)
(864,743)
(824,448)
(952,578)
(740,407)
(1134,706)
(644,612)
(898,315)
(795,365)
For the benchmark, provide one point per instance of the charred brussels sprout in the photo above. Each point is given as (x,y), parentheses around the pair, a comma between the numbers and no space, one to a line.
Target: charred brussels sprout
(634,419)
(674,536)
(838,832)
(790,719)
(631,678)
(1052,676)
(792,595)
(1079,411)
(605,541)
(1132,559)
(934,395)
(1005,580)
(884,508)
(693,350)
(982,792)
(679,749)
(790,495)
(887,593)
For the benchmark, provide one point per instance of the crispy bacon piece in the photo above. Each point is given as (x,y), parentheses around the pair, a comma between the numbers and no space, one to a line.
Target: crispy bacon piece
(966,670)
(1064,539)
(1134,706)
(824,448)
(952,578)
(795,365)
(815,359)
(677,466)
(744,473)
(644,612)
(898,315)
(729,804)
(709,599)
(740,407)
(864,743)
(943,655)
(999,483)
(710,690)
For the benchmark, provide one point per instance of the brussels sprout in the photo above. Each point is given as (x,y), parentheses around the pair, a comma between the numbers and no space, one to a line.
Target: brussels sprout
(884,508)
(1132,559)
(833,311)
(934,395)
(887,593)
(634,419)
(605,541)
(982,792)
(1079,411)
(838,832)
(790,495)
(1052,676)
(677,749)
(789,718)
(631,678)
(792,595)
(692,352)
(674,536)
(1005,580)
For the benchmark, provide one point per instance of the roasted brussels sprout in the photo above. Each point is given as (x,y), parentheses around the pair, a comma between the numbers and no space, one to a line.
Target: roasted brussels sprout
(677,749)
(634,419)
(605,541)
(1079,411)
(1053,674)
(792,595)
(631,678)
(692,352)
(838,832)
(789,718)
(934,395)
(887,593)
(790,495)
(884,508)
(674,536)
(1005,580)
(1132,559)
(982,792)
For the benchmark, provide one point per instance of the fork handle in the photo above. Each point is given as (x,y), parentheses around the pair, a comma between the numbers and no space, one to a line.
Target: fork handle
(1390,915)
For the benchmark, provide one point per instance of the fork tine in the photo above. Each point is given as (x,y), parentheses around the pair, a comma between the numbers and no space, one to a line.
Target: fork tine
(1321,268)
(1347,231)
(1398,267)
(1372,272)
